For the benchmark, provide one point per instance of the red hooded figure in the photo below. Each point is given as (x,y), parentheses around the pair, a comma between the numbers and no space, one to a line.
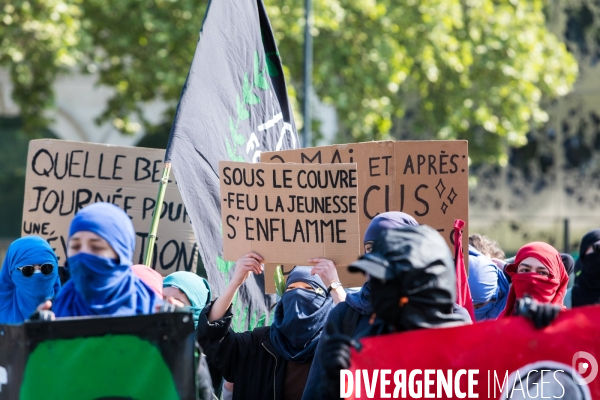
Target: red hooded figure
(550,289)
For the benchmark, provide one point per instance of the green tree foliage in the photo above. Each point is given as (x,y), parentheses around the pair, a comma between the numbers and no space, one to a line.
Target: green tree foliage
(473,69)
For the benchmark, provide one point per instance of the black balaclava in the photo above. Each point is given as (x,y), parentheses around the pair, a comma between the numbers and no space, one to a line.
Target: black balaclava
(587,283)
(413,279)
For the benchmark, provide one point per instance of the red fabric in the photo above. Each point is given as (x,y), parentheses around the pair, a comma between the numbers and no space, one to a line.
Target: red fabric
(550,289)
(463,292)
(150,277)
(500,346)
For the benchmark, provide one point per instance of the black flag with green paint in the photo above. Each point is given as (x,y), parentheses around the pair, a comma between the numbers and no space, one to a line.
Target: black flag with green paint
(233,106)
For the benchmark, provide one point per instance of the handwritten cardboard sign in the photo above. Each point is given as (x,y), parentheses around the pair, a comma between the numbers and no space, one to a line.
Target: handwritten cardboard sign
(426,179)
(290,213)
(63,177)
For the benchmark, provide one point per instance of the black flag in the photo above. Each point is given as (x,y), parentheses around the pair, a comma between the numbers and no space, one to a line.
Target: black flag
(233,106)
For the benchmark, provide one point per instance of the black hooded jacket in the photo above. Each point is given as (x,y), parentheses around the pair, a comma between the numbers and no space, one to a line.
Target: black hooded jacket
(419,268)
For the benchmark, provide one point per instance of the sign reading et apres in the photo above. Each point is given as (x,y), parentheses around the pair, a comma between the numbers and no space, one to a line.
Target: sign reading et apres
(290,213)
(426,179)
(63,177)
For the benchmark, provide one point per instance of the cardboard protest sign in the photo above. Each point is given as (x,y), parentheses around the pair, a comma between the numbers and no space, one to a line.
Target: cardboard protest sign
(131,358)
(560,361)
(426,179)
(290,213)
(62,177)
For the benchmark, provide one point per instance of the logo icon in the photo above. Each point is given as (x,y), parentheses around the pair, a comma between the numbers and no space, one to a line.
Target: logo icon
(589,367)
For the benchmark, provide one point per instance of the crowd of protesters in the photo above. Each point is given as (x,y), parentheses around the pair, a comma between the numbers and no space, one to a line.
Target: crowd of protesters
(410,284)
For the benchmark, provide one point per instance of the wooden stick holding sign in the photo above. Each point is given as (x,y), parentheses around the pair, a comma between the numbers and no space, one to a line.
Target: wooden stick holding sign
(291,213)
(160,197)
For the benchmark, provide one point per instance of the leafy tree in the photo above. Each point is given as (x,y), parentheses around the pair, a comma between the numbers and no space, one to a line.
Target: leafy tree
(473,69)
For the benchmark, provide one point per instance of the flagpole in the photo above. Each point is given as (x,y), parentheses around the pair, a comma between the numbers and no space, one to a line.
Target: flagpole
(308,65)
(162,188)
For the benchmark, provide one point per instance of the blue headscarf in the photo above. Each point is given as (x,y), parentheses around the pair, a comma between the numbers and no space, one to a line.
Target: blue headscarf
(99,285)
(300,317)
(19,295)
(488,284)
(195,288)
(361,300)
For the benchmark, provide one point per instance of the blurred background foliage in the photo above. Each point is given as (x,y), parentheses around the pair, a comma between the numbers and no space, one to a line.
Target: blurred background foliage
(468,69)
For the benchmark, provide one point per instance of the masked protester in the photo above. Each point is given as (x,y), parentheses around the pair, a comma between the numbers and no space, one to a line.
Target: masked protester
(192,290)
(586,290)
(268,362)
(489,286)
(28,277)
(538,273)
(413,286)
(100,249)
(352,316)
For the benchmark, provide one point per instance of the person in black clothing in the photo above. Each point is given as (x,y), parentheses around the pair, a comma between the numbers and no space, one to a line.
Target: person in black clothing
(413,286)
(268,362)
(353,317)
(586,290)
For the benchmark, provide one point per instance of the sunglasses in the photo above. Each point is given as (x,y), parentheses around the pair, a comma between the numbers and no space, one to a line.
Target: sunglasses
(29,270)
(596,247)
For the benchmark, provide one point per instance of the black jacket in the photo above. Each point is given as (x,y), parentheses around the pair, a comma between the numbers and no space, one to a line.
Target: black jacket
(348,322)
(247,359)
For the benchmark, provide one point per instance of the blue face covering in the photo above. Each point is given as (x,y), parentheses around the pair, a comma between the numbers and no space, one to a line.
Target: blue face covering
(98,285)
(20,295)
(488,284)
(300,317)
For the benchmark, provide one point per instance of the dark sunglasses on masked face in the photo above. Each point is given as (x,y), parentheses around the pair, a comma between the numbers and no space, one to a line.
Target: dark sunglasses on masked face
(29,270)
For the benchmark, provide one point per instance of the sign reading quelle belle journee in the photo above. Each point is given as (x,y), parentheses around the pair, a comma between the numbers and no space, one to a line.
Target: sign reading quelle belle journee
(63,177)
(426,179)
(290,213)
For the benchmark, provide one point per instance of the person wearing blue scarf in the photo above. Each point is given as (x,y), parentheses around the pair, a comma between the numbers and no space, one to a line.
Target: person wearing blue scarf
(280,355)
(100,250)
(489,286)
(192,290)
(300,316)
(26,278)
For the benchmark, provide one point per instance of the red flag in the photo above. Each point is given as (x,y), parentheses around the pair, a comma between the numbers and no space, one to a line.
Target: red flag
(570,344)
(463,293)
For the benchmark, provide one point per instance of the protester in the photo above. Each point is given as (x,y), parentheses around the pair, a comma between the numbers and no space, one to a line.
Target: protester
(413,282)
(586,290)
(359,304)
(29,276)
(538,272)
(100,249)
(352,316)
(150,277)
(268,362)
(489,286)
(191,290)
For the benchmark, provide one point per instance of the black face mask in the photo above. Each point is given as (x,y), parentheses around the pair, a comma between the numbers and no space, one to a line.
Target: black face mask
(591,267)
(385,298)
